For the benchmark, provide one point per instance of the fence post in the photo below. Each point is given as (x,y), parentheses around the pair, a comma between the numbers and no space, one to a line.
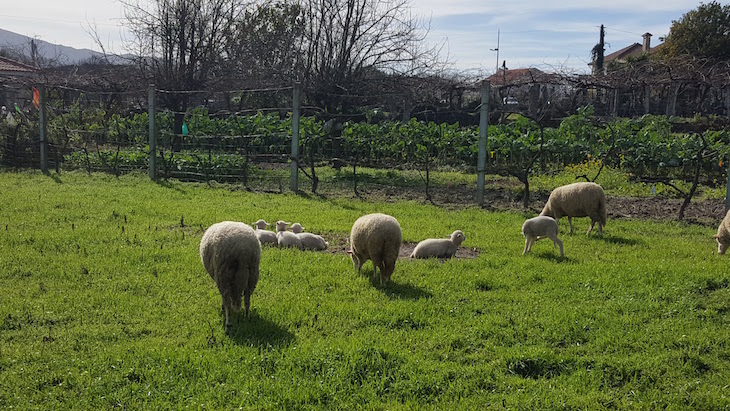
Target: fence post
(483,126)
(43,120)
(727,189)
(151,110)
(294,179)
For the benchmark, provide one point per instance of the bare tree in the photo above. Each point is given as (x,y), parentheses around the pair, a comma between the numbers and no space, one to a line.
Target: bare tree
(178,44)
(264,46)
(351,44)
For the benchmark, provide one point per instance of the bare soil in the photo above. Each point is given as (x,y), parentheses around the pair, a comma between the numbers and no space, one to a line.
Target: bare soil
(703,212)
(700,212)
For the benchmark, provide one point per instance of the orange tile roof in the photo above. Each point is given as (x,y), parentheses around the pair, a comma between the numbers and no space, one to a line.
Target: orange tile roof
(12,67)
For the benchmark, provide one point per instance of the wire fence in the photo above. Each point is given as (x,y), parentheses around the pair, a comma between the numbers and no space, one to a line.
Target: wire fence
(268,140)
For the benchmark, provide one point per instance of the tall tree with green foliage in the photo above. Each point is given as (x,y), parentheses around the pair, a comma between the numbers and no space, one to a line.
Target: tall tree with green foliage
(703,32)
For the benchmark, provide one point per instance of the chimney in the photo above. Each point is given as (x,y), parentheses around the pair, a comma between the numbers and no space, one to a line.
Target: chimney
(647,43)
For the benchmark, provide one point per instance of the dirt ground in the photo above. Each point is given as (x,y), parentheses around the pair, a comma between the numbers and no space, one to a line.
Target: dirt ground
(704,212)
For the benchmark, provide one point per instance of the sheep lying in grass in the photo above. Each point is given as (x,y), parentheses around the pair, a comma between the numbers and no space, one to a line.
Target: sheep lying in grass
(578,200)
(538,228)
(231,254)
(376,237)
(439,247)
(286,238)
(309,241)
(265,236)
(723,234)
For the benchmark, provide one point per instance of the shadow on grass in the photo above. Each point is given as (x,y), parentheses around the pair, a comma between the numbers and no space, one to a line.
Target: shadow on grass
(401,291)
(54,176)
(167,184)
(612,239)
(554,256)
(259,332)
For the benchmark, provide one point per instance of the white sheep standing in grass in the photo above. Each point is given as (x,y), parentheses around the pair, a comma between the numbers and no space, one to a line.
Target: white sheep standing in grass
(582,199)
(439,247)
(309,241)
(723,234)
(231,254)
(286,238)
(265,236)
(538,228)
(376,237)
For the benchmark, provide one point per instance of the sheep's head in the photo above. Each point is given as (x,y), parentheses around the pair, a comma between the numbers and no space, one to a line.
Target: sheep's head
(458,237)
(355,260)
(281,225)
(548,210)
(297,228)
(261,224)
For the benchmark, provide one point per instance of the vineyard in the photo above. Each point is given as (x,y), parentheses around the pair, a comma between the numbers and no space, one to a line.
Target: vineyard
(254,147)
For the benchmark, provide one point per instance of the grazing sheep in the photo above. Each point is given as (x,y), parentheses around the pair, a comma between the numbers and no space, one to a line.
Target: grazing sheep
(286,238)
(723,234)
(538,228)
(376,237)
(309,241)
(265,236)
(578,200)
(231,254)
(439,247)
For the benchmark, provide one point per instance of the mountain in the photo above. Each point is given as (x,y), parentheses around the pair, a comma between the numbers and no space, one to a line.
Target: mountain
(20,44)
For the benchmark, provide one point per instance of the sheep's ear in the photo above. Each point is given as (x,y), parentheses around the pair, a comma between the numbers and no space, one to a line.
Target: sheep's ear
(715,236)
(349,252)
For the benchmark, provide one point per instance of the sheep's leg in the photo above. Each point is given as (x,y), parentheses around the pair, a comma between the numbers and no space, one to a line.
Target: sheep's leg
(570,223)
(559,243)
(226,311)
(247,300)
(593,222)
(377,263)
(529,241)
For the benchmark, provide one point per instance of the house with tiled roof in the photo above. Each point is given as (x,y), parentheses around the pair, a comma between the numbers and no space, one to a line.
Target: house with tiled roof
(632,51)
(14,68)
(517,77)
(524,89)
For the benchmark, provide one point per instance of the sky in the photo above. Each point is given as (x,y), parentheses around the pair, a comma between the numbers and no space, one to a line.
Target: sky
(547,34)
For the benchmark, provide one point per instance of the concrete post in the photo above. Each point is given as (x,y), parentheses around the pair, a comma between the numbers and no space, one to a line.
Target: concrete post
(483,126)
(151,111)
(296,103)
(43,120)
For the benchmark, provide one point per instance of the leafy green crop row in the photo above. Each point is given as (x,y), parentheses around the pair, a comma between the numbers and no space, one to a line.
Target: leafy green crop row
(644,147)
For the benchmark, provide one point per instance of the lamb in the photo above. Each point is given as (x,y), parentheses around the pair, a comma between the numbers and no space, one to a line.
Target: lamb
(376,237)
(578,200)
(538,228)
(309,241)
(264,236)
(723,234)
(439,247)
(286,238)
(231,254)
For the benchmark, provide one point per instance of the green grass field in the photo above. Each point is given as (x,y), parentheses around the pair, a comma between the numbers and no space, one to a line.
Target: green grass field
(104,304)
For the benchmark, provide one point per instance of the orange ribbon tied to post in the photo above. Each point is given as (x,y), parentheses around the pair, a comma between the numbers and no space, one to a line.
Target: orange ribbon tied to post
(36,98)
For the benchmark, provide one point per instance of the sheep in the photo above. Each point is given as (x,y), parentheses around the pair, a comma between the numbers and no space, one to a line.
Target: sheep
(376,237)
(582,199)
(723,234)
(286,238)
(439,247)
(231,254)
(538,228)
(264,236)
(309,241)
